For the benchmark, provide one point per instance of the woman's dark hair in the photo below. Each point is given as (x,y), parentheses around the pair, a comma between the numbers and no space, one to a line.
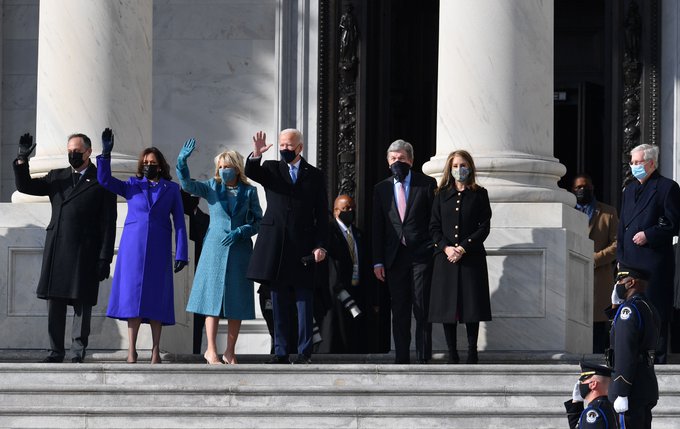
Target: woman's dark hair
(163,167)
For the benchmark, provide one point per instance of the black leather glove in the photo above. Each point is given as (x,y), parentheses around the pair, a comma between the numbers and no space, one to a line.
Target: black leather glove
(103,270)
(179,265)
(26,146)
(107,142)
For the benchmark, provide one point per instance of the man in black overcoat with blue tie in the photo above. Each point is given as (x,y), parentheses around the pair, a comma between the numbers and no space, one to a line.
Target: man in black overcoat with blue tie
(403,249)
(650,216)
(291,240)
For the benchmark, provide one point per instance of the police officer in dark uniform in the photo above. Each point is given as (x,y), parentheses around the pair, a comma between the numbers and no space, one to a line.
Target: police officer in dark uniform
(591,388)
(633,337)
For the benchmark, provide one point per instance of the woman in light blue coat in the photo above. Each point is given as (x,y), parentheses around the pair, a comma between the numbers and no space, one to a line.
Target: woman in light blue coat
(220,288)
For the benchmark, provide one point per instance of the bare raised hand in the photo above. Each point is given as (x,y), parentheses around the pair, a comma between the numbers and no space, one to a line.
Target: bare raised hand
(260,143)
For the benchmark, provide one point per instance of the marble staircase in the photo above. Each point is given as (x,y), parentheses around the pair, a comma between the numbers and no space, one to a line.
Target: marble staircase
(321,395)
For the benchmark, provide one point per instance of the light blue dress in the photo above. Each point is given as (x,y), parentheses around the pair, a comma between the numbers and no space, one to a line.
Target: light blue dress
(220,286)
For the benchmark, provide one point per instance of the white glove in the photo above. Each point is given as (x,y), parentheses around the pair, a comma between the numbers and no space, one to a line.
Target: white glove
(621,404)
(615,298)
(576,394)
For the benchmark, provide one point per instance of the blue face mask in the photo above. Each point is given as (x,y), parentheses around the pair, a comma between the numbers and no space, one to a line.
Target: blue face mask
(638,171)
(227,175)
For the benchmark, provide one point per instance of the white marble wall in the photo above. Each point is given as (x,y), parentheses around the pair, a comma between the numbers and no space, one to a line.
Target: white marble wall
(669,158)
(19,82)
(214,77)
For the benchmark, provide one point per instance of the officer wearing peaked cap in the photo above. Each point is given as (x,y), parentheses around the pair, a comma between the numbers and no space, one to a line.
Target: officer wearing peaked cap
(589,406)
(634,335)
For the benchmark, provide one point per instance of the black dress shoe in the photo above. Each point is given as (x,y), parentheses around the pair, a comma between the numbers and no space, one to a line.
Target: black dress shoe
(421,361)
(277,360)
(472,357)
(77,359)
(402,361)
(453,357)
(52,359)
(302,360)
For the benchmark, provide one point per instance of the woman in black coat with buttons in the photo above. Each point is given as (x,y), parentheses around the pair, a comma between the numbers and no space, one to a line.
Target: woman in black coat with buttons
(461,217)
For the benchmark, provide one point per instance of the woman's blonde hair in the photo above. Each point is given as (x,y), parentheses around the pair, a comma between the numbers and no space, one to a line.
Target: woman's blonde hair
(447,180)
(234,160)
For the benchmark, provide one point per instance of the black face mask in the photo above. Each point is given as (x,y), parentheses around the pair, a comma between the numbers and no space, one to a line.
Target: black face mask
(584,389)
(346,217)
(288,155)
(400,169)
(150,171)
(76,159)
(584,196)
(621,290)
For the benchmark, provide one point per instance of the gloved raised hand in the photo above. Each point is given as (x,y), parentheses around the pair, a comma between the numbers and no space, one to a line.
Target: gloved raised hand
(107,142)
(103,270)
(616,300)
(232,237)
(621,404)
(187,148)
(26,146)
(576,393)
(179,266)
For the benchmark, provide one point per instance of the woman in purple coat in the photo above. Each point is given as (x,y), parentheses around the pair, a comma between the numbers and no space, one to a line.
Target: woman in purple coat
(142,289)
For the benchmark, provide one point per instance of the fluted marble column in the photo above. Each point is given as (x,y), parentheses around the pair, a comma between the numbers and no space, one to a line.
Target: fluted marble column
(94,71)
(495,99)
(495,96)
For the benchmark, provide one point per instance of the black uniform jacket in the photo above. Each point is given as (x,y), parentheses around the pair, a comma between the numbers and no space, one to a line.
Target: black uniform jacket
(294,223)
(388,227)
(81,232)
(634,333)
(599,414)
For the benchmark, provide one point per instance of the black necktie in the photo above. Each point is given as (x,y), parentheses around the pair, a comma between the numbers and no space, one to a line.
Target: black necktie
(76,178)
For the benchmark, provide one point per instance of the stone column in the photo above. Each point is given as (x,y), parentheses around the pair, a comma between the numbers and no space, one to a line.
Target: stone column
(94,71)
(495,99)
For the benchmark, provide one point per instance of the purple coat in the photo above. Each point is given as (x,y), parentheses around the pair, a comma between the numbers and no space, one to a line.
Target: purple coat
(142,281)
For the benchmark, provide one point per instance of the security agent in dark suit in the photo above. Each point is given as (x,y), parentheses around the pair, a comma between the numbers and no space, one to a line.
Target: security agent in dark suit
(589,406)
(292,237)
(78,244)
(347,326)
(633,338)
(403,248)
(650,217)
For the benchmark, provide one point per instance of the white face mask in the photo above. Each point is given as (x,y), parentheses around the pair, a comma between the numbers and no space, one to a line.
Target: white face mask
(461,173)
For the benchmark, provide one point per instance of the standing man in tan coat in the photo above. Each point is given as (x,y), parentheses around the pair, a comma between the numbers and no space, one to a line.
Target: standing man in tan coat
(602,225)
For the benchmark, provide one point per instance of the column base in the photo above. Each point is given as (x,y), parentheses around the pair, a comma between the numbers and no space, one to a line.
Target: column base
(514,177)
(541,279)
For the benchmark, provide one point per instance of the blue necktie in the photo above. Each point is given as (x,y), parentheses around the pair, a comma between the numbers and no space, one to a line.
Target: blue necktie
(293,173)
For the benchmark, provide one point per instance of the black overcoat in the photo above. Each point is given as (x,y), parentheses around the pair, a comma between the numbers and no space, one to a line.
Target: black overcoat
(82,231)
(460,218)
(657,213)
(294,223)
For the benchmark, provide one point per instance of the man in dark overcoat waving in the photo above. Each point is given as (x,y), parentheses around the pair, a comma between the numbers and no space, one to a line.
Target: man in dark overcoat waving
(292,238)
(79,241)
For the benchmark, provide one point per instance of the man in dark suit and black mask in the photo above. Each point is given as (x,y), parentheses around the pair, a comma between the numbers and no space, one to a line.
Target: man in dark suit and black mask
(292,238)
(79,241)
(403,248)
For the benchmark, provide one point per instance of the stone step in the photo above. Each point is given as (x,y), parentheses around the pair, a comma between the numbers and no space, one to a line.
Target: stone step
(104,395)
(287,417)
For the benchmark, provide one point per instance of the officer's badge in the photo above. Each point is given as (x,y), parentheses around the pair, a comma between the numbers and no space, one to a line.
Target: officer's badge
(625,313)
(592,416)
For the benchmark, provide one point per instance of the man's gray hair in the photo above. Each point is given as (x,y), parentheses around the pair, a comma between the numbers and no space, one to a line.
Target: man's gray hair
(399,145)
(651,152)
(293,131)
